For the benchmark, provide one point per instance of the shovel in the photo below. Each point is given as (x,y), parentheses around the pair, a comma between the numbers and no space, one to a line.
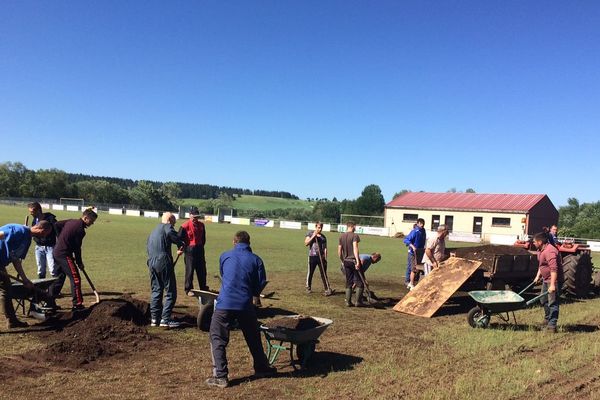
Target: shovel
(370,296)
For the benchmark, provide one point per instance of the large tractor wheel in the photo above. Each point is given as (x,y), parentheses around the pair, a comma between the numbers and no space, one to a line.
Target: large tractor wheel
(578,274)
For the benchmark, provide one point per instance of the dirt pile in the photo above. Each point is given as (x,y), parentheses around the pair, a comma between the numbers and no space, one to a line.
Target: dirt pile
(486,253)
(106,329)
(298,323)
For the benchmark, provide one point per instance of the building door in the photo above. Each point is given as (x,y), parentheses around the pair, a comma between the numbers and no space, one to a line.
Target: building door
(449,221)
(477,225)
(435,222)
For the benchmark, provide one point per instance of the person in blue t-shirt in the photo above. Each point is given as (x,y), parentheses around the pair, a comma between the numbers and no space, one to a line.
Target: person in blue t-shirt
(14,244)
(243,277)
(367,260)
(415,241)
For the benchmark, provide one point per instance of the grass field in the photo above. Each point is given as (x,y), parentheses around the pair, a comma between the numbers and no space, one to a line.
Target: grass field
(367,353)
(261,203)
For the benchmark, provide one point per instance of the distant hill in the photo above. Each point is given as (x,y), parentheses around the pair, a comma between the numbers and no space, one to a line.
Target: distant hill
(259,203)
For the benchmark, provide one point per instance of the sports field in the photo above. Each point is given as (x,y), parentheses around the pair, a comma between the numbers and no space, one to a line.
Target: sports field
(367,353)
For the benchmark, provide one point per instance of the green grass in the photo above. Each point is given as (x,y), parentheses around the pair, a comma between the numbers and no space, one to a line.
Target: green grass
(398,356)
(261,203)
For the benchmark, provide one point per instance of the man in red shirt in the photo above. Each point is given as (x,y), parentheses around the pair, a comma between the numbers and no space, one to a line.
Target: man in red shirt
(551,273)
(193,234)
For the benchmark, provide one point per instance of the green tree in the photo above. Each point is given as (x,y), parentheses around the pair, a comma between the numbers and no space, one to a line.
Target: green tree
(470,190)
(400,193)
(371,201)
(147,196)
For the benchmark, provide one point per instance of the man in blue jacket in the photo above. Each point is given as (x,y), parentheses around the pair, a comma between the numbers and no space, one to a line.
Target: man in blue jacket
(243,277)
(415,241)
(14,244)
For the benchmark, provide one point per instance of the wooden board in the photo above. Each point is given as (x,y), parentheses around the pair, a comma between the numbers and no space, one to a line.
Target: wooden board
(436,288)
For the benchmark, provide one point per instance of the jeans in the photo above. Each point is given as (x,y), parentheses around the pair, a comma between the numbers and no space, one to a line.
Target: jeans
(162,281)
(44,258)
(409,265)
(551,304)
(220,326)
(195,261)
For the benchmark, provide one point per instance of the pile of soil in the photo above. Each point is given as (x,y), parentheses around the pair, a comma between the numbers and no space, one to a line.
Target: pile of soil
(486,253)
(106,329)
(297,323)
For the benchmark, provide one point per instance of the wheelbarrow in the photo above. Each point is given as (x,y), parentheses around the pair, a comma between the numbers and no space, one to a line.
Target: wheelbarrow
(206,301)
(282,339)
(32,302)
(499,303)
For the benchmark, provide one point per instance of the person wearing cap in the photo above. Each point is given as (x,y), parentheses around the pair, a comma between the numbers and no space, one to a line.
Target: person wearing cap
(193,234)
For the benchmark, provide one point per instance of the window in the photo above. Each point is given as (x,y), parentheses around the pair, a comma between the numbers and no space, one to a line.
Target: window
(435,222)
(410,217)
(498,221)
(449,222)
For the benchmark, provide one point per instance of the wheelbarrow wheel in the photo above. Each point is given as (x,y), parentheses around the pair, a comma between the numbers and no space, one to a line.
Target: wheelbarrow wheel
(478,318)
(204,316)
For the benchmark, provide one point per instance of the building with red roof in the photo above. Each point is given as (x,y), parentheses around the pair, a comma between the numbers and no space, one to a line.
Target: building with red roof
(472,215)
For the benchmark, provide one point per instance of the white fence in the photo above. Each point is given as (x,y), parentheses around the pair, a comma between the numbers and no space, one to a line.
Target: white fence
(312,226)
(240,221)
(367,230)
(290,225)
(151,214)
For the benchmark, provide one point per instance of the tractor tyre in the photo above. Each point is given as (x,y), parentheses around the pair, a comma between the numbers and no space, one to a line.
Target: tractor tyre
(577,274)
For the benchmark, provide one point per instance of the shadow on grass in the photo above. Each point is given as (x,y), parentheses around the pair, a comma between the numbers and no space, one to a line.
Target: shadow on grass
(321,364)
(568,328)
(456,305)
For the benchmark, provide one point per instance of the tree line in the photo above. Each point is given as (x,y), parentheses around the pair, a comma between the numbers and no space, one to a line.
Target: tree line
(16,180)
(581,220)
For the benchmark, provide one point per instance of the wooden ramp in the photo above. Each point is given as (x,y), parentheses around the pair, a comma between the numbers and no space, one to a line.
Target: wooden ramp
(436,288)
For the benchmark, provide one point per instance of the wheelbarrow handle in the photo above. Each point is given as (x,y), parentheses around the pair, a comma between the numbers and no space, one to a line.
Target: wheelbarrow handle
(536,298)
(527,288)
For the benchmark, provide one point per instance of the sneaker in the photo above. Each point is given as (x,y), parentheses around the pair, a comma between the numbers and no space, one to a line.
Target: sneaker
(308,290)
(78,307)
(17,324)
(169,323)
(218,382)
(154,322)
(328,293)
(348,303)
(191,294)
(265,373)
(410,286)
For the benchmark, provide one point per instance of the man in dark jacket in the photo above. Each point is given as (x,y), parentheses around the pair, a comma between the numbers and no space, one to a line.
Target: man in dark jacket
(44,246)
(162,271)
(14,244)
(67,256)
(243,277)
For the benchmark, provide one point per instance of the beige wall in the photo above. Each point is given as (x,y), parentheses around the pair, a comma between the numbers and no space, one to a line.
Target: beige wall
(463,221)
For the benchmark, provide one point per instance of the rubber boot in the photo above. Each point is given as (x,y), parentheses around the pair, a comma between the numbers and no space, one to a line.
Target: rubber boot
(348,299)
(359,300)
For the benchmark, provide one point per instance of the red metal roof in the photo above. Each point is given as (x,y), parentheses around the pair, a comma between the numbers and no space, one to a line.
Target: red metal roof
(467,201)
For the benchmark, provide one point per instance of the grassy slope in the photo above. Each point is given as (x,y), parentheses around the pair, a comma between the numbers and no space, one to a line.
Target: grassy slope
(400,356)
(259,203)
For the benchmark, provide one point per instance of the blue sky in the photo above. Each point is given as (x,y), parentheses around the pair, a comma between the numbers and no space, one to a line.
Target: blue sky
(319,98)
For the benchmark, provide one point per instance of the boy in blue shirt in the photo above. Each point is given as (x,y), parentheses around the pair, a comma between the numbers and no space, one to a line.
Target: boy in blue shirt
(415,241)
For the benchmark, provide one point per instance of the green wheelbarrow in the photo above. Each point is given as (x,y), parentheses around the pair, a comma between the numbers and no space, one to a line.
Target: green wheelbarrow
(282,339)
(499,303)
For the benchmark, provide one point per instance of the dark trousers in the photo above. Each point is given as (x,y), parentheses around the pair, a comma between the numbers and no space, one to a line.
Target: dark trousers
(551,304)
(220,326)
(195,262)
(313,263)
(352,277)
(5,300)
(162,282)
(67,268)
